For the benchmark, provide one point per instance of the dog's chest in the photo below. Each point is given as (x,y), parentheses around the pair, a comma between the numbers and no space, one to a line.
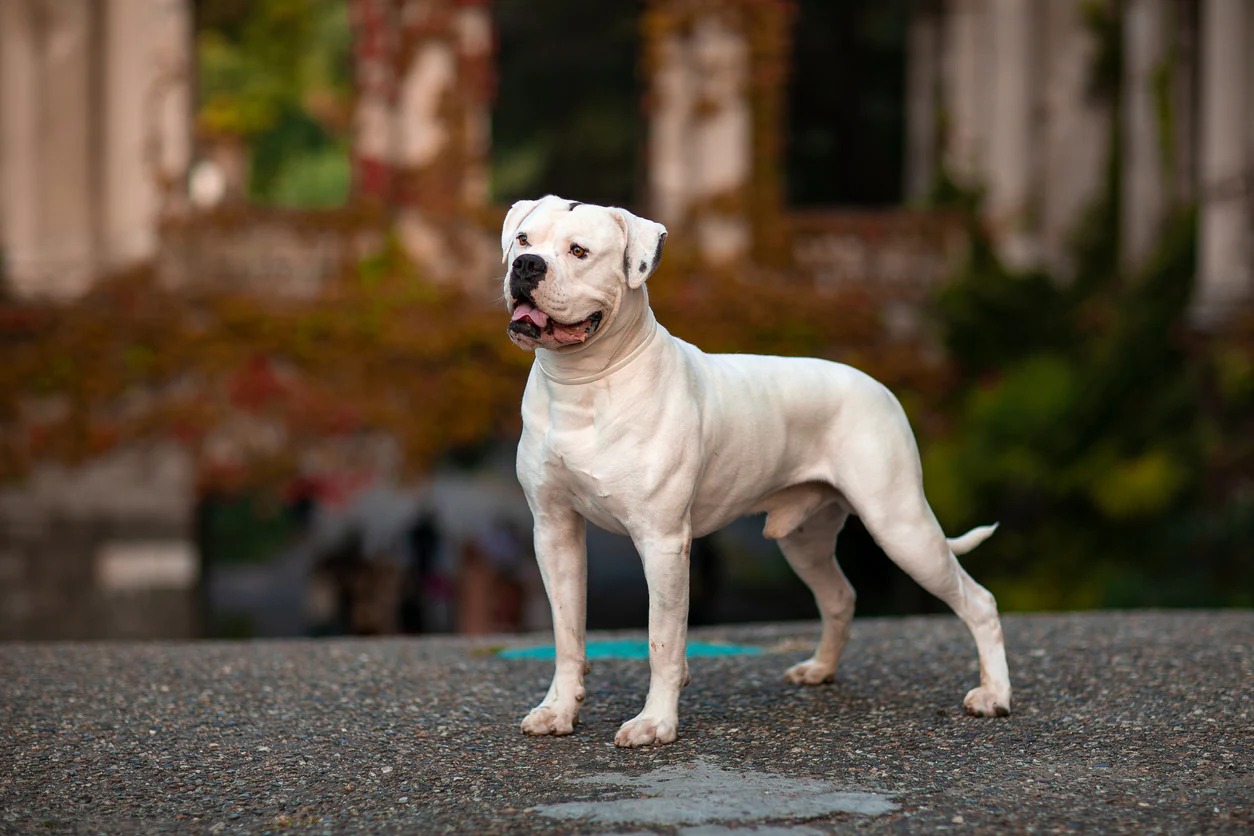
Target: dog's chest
(594,452)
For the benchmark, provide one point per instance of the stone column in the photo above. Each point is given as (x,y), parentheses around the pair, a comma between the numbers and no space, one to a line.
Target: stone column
(146,135)
(1075,134)
(170,103)
(967,89)
(715,84)
(129,199)
(95,114)
(1010,137)
(701,132)
(1145,165)
(423,70)
(68,144)
(722,141)
(476,48)
(922,89)
(421,124)
(672,95)
(20,118)
(1225,171)
(48,51)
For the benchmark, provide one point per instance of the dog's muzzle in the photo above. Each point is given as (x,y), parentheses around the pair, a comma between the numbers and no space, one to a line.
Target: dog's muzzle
(531,323)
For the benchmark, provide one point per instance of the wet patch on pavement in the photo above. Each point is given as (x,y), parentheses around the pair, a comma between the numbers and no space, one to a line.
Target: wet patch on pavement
(703,793)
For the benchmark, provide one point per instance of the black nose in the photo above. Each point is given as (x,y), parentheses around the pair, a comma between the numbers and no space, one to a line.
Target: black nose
(527,272)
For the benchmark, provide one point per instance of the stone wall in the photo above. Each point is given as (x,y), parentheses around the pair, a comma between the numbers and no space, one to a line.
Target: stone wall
(102,550)
(898,251)
(273,253)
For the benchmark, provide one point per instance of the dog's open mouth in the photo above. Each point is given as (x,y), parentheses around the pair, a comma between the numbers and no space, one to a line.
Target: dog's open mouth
(534,324)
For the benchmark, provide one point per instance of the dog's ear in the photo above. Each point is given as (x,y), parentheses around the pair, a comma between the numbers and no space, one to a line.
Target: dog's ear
(645,239)
(513,220)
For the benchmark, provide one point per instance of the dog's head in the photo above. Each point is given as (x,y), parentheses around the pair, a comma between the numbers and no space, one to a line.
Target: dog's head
(570,266)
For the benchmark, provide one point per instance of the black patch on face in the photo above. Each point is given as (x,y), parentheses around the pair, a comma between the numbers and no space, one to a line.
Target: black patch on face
(573,204)
(526,328)
(643,267)
(626,264)
(657,254)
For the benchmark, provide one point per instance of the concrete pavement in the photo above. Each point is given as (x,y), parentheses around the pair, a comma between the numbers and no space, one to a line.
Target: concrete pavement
(1134,722)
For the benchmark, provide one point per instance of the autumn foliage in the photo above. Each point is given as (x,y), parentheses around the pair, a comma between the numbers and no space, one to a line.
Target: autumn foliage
(249,383)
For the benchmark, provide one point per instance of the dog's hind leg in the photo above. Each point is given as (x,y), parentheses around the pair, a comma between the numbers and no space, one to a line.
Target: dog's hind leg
(810,548)
(908,532)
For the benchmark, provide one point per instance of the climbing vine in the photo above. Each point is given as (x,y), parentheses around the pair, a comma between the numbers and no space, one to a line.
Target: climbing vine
(381,350)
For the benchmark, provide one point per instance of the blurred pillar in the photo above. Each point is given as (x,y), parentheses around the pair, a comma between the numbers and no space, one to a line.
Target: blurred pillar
(146,140)
(671,105)
(1010,138)
(1225,272)
(968,87)
(94,136)
(1145,163)
(922,89)
(20,120)
(1075,136)
(421,127)
(721,162)
(424,78)
(126,204)
(715,85)
(47,105)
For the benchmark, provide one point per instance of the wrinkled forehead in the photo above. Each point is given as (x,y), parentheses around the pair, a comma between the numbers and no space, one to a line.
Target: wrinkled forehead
(559,221)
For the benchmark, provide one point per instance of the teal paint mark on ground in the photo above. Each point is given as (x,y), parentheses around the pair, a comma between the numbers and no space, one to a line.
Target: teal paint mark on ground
(629,649)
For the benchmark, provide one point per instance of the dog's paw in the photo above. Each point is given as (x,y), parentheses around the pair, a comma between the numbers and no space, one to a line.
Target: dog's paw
(550,719)
(983,702)
(810,672)
(645,731)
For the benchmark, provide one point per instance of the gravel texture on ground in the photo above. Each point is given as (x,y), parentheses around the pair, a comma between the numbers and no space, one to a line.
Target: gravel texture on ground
(1132,722)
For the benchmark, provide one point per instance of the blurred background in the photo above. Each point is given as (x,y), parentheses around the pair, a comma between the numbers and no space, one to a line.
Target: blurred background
(254,377)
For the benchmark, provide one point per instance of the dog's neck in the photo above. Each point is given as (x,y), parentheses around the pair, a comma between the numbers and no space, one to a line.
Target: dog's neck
(627,336)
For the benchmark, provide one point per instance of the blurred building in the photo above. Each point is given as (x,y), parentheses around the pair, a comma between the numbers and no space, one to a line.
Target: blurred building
(1005,96)
(1025,100)
(1017,98)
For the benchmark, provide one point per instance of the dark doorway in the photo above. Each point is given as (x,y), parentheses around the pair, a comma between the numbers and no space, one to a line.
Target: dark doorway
(566,116)
(847,104)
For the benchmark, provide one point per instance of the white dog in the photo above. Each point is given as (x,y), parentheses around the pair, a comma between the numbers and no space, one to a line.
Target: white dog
(645,435)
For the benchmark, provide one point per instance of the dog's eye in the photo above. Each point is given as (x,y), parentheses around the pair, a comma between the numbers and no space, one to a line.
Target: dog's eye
(522,238)
(578,251)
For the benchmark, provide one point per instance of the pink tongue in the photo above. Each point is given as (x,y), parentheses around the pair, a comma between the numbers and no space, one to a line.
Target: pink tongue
(524,311)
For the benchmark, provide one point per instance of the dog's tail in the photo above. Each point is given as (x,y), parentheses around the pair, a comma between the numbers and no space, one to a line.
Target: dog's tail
(973,538)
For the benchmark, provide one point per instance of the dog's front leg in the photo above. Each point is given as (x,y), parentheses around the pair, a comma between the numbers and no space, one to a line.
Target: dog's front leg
(666,570)
(561,552)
